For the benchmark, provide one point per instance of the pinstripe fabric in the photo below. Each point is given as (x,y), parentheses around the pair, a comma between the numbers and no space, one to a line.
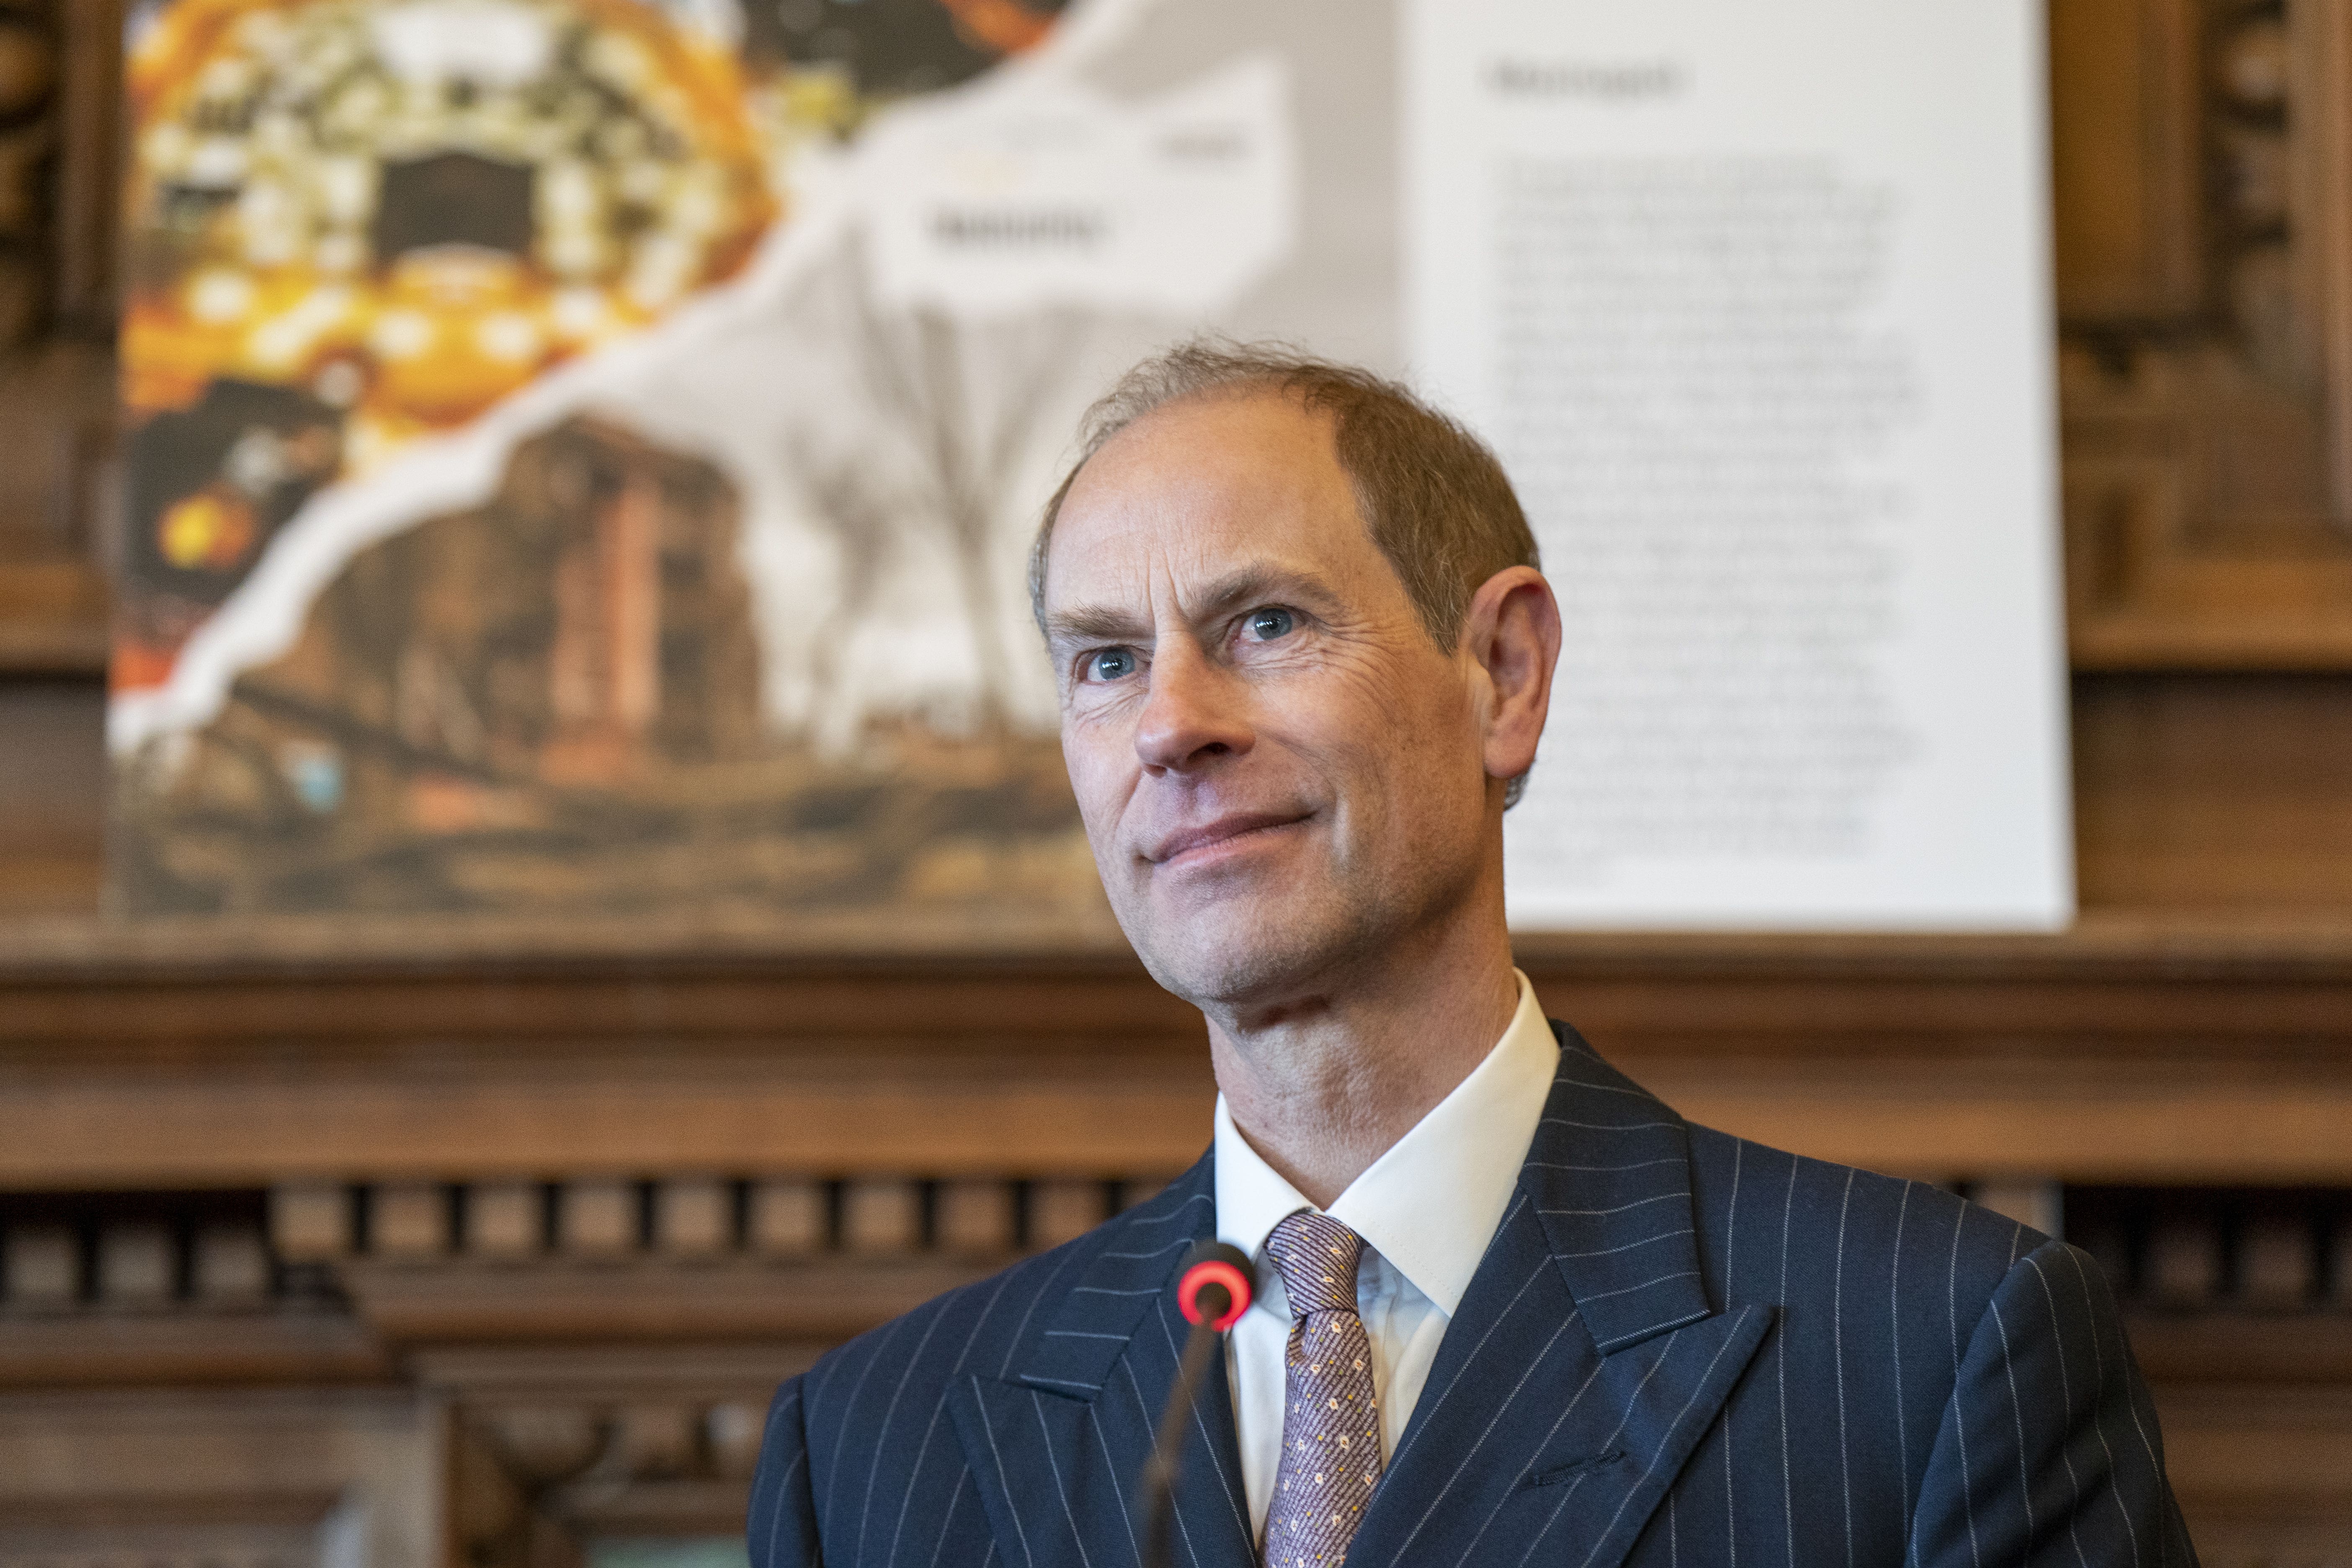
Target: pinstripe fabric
(1680,1349)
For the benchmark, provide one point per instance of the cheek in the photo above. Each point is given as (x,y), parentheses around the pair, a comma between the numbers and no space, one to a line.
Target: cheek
(1102,768)
(1413,742)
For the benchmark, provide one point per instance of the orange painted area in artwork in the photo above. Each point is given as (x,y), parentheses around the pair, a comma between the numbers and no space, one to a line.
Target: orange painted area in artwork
(439,804)
(164,63)
(1006,27)
(205,531)
(455,332)
(275,244)
(133,665)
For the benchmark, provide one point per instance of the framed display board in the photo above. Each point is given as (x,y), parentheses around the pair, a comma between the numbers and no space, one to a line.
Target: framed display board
(583,453)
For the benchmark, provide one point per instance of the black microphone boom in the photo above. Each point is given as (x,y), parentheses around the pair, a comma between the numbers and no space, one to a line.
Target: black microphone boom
(1213,1290)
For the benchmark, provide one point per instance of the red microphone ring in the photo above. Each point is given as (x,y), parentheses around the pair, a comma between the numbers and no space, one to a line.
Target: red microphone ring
(1219,1272)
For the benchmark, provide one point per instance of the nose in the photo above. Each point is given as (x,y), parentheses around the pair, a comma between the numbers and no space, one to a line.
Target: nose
(1194,715)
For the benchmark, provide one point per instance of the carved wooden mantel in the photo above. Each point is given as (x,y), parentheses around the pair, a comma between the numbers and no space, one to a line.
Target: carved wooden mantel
(2123,1050)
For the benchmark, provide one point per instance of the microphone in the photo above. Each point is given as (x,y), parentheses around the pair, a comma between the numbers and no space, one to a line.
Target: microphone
(1212,1291)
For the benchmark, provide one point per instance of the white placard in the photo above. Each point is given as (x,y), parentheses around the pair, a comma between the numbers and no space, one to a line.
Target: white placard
(1753,300)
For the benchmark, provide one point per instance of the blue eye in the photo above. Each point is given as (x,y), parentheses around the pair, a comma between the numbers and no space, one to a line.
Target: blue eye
(1110,664)
(1269,623)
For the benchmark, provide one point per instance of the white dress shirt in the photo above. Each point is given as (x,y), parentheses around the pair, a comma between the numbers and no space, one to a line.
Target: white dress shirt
(1426,1210)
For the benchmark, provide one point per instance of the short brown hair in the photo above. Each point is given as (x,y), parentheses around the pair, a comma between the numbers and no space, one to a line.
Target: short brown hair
(1434,498)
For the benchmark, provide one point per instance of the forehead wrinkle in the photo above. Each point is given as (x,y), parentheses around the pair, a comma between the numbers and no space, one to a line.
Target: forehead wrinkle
(1145,473)
(1252,583)
(1152,529)
(1255,581)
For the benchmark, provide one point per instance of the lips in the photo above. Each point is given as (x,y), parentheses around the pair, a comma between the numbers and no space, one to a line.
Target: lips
(1224,830)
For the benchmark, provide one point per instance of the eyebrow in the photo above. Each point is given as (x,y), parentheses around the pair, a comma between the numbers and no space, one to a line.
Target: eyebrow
(1244,586)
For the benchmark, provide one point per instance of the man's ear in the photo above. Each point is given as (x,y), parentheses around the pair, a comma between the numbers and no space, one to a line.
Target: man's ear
(1512,637)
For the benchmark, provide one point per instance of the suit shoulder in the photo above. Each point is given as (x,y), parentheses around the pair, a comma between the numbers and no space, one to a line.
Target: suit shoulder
(979,1328)
(1822,1213)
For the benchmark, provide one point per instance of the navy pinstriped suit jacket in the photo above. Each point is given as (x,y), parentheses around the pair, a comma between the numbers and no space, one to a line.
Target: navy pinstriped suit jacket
(1680,1349)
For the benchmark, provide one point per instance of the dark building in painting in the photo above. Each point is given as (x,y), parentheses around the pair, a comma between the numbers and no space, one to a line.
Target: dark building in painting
(552,702)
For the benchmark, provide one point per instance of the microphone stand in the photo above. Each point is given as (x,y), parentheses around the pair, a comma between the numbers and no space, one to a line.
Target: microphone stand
(1214,1291)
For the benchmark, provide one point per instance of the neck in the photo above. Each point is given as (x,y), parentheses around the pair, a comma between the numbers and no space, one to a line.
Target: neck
(1323,1083)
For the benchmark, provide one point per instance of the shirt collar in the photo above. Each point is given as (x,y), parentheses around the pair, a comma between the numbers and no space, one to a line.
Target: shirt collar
(1430,1203)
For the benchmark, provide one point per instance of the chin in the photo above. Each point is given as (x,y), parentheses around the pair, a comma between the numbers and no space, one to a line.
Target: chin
(1229,956)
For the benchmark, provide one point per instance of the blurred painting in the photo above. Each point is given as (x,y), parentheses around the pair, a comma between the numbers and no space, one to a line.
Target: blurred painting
(582,453)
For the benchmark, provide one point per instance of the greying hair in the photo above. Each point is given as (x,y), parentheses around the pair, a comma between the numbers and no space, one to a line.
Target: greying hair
(1434,499)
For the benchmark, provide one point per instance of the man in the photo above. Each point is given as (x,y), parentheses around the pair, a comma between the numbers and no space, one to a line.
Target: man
(1513,1309)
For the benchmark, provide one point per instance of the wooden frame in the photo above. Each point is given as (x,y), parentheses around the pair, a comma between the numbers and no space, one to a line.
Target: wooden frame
(2322,137)
(2205,284)
(2125,75)
(60,148)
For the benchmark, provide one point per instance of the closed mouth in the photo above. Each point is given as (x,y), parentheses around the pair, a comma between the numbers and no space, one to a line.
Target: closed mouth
(1224,830)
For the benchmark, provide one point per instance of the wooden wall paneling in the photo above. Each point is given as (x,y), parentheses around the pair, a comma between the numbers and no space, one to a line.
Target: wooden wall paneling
(181,1289)
(2232,1283)
(2123,1050)
(409,1219)
(53,602)
(597,1217)
(53,793)
(180,1478)
(2197,537)
(563,1302)
(2163,572)
(638,1411)
(60,134)
(553,1447)
(785,1217)
(313,1349)
(2250,1360)
(2126,157)
(230,1266)
(2201,418)
(693,1216)
(43,1267)
(30,69)
(881,1217)
(636,1408)
(91,127)
(2213,791)
(977,1217)
(2264,1475)
(506,1220)
(2321,139)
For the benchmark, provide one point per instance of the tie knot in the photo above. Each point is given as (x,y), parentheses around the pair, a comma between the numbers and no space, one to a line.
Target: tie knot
(1317,1258)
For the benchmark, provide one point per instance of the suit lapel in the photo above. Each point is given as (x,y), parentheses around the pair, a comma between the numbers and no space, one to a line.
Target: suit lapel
(1585,1362)
(1057,1445)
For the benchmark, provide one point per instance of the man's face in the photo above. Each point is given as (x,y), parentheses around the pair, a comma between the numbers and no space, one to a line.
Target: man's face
(1280,772)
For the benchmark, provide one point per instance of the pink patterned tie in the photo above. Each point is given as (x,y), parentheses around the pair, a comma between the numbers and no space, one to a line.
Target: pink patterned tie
(1331,1433)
